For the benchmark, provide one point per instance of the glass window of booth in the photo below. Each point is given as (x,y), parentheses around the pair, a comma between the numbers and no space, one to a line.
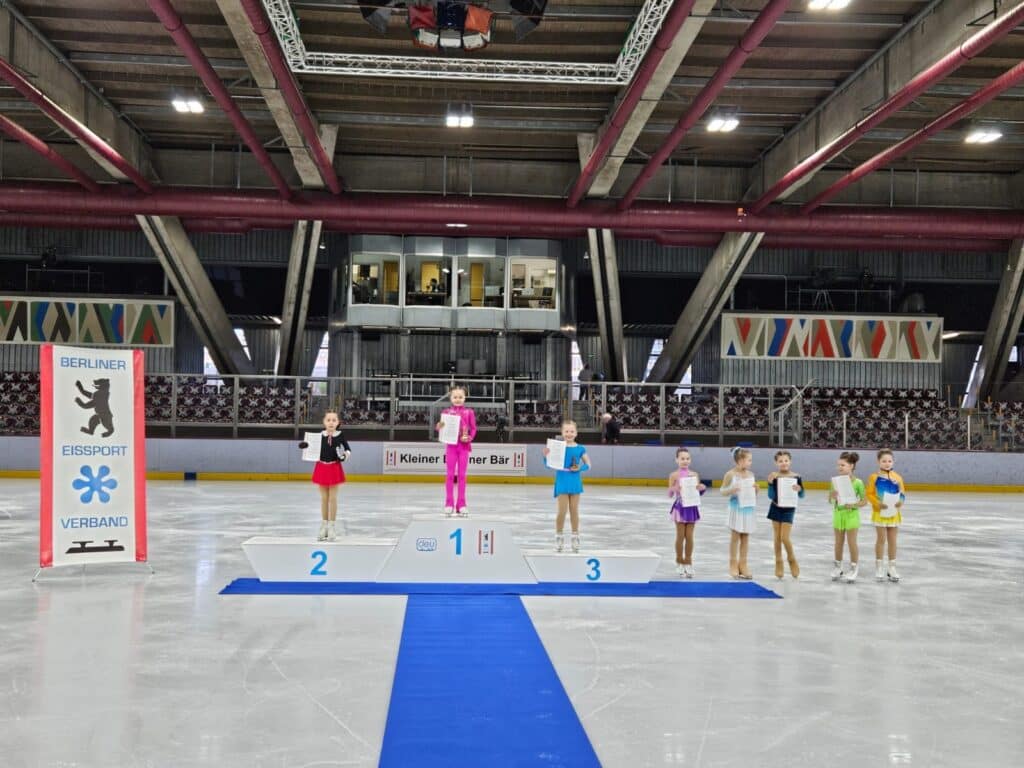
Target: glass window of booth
(375,278)
(482,281)
(533,283)
(428,280)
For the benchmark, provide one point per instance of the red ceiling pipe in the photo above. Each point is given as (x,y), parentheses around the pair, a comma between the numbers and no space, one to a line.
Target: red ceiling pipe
(72,126)
(173,24)
(365,211)
(918,84)
(750,41)
(696,239)
(290,91)
(973,102)
(833,243)
(666,36)
(42,149)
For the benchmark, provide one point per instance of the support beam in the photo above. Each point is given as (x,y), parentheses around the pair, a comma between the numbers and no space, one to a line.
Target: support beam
(704,306)
(301,266)
(1003,326)
(605,271)
(40,147)
(280,91)
(598,181)
(195,291)
(299,280)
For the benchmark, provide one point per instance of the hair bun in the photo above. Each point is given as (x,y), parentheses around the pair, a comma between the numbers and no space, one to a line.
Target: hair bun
(855,456)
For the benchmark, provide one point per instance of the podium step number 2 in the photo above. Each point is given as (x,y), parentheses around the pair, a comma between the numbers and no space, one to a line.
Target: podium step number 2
(282,559)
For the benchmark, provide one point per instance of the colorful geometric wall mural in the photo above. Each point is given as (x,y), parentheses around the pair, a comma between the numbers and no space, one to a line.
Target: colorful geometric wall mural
(889,339)
(107,322)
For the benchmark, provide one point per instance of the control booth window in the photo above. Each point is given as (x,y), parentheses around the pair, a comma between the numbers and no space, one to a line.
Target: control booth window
(428,281)
(481,281)
(375,279)
(533,283)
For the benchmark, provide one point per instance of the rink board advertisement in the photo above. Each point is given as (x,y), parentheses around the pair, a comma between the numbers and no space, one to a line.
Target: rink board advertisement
(92,456)
(500,459)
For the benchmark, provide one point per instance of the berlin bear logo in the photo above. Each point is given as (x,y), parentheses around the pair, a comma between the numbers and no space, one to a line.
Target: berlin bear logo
(99,401)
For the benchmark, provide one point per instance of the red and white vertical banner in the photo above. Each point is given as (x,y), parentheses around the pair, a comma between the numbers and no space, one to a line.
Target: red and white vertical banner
(92,456)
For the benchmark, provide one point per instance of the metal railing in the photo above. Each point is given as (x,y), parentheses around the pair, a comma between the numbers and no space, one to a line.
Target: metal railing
(508,408)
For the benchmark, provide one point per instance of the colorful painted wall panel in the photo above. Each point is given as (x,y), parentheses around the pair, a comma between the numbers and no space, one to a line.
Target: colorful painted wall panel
(93,321)
(887,339)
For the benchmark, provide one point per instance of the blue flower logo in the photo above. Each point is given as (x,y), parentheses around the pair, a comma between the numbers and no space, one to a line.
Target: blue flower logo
(97,484)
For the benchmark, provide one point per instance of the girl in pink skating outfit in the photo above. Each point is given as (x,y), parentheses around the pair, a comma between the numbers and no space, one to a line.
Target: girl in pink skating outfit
(456,460)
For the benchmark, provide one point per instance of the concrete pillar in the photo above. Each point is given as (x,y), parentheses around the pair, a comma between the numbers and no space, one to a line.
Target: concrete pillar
(705,305)
(604,266)
(1003,326)
(195,291)
(302,257)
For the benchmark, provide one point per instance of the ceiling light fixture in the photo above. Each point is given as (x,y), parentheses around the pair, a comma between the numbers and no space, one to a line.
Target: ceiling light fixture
(459,116)
(827,5)
(458,225)
(187,105)
(723,121)
(983,134)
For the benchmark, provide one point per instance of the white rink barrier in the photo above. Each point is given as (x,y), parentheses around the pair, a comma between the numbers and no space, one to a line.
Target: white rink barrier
(348,559)
(442,551)
(457,551)
(597,566)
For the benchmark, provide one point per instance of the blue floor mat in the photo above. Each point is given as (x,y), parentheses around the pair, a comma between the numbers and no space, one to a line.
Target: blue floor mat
(712,589)
(474,687)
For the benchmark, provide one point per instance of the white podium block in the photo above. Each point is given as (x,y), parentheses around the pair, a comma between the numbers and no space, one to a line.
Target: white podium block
(347,559)
(457,551)
(596,566)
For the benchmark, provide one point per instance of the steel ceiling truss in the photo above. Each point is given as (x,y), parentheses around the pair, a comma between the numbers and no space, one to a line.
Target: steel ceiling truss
(641,35)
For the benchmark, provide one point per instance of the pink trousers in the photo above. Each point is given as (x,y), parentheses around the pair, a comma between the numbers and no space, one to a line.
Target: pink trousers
(456,461)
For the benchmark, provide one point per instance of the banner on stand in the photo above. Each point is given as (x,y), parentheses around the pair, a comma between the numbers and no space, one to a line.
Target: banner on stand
(429,459)
(92,456)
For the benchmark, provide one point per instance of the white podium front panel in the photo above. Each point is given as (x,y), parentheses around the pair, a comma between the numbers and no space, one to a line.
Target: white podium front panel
(597,566)
(458,551)
(348,559)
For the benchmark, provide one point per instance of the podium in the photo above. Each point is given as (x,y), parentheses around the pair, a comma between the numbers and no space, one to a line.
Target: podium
(348,559)
(603,566)
(457,551)
(435,550)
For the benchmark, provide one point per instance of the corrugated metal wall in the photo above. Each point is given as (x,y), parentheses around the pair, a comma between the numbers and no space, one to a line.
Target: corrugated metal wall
(258,247)
(827,373)
(957,361)
(263,346)
(646,256)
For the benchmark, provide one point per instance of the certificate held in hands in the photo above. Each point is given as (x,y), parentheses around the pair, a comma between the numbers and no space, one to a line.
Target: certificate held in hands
(312,450)
(843,486)
(450,425)
(689,495)
(747,496)
(890,500)
(786,493)
(556,454)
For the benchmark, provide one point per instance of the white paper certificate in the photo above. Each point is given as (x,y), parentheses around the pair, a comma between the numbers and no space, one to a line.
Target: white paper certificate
(450,425)
(690,496)
(843,486)
(890,500)
(312,451)
(748,494)
(556,454)
(786,495)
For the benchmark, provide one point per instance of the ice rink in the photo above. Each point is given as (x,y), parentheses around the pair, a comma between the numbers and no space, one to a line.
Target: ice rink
(117,667)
